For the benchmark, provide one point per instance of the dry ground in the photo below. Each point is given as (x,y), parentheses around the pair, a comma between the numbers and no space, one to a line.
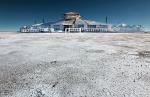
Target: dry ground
(75,65)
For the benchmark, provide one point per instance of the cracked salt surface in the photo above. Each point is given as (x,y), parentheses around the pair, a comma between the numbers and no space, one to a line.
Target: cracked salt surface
(74,65)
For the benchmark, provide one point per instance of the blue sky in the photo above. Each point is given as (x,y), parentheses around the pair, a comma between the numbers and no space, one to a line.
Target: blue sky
(16,13)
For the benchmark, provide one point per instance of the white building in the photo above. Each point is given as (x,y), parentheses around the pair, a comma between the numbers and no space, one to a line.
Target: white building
(73,22)
(128,28)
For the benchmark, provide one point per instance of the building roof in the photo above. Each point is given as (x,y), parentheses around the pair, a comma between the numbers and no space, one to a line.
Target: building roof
(68,13)
(78,22)
(48,23)
(37,24)
(89,22)
(70,22)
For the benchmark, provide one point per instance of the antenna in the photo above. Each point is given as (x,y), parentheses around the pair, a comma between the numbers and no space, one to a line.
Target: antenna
(43,20)
(35,22)
(106,20)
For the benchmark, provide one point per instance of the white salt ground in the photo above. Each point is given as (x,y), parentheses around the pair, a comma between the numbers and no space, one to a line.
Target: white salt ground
(74,65)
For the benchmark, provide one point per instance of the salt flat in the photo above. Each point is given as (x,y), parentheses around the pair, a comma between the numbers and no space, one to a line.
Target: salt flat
(74,65)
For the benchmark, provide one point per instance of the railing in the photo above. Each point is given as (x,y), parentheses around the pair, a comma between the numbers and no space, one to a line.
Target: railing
(86,30)
(73,30)
(95,30)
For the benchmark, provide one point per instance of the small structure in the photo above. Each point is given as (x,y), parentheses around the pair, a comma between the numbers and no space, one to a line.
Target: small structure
(35,28)
(128,28)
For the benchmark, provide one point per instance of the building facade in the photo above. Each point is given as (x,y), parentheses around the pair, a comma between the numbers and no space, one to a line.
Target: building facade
(128,28)
(73,22)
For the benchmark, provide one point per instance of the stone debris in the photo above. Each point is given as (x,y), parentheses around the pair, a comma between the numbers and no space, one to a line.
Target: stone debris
(74,65)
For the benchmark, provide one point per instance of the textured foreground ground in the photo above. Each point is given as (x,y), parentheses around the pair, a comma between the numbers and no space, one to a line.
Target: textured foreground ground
(75,65)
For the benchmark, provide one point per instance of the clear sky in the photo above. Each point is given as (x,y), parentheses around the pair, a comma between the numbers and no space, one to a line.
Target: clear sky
(16,13)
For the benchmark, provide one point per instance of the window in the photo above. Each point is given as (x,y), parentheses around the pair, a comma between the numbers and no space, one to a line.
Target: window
(103,26)
(58,27)
(91,26)
(80,26)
